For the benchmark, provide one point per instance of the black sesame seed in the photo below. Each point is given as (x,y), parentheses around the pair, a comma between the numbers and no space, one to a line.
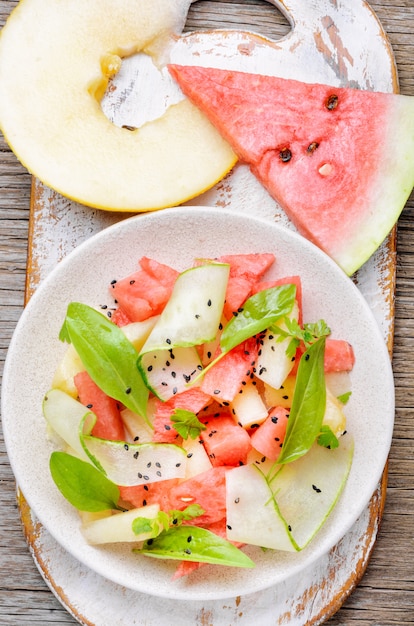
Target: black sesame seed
(149,368)
(131,282)
(187,551)
(189,455)
(136,454)
(315,488)
(149,464)
(89,406)
(128,390)
(189,538)
(136,438)
(164,384)
(126,446)
(145,477)
(275,419)
(208,302)
(216,392)
(306,357)
(167,427)
(146,488)
(144,503)
(237,500)
(168,341)
(228,526)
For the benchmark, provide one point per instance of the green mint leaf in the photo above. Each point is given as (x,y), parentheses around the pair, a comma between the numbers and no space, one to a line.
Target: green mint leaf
(344,397)
(327,439)
(84,486)
(258,313)
(308,334)
(155,526)
(109,358)
(308,404)
(187,424)
(190,512)
(192,543)
(64,334)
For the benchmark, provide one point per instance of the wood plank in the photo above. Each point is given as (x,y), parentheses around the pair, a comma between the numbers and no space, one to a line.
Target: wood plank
(385,596)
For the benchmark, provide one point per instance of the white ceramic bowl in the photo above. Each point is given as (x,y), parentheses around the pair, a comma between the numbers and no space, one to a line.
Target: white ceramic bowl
(176,236)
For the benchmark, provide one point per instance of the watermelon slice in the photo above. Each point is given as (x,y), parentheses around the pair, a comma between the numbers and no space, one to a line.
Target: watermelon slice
(339,161)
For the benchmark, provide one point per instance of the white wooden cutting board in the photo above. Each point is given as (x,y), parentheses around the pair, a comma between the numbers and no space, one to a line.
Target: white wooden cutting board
(339,42)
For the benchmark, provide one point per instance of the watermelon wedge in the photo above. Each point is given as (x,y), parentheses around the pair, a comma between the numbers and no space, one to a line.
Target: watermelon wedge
(339,161)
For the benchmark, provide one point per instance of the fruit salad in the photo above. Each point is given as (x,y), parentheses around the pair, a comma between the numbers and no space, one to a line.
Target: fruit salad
(199,413)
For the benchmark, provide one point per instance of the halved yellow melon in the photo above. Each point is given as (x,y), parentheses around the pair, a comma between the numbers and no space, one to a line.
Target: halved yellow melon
(55,62)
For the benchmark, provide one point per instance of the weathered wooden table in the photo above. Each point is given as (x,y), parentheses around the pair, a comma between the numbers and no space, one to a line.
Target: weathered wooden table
(385,595)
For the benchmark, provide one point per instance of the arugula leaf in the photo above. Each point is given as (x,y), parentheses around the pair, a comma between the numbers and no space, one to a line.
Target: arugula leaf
(326,438)
(84,486)
(109,358)
(192,543)
(308,404)
(258,313)
(187,424)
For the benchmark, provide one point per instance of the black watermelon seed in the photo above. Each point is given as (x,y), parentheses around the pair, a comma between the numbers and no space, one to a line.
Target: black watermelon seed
(332,102)
(285,155)
(312,147)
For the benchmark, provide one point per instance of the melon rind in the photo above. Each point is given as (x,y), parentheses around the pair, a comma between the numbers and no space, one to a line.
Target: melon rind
(55,61)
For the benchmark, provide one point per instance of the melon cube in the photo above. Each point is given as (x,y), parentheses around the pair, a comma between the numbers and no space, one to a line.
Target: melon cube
(248,407)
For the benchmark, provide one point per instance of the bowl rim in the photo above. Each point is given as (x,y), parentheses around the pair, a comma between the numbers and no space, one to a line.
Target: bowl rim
(195,213)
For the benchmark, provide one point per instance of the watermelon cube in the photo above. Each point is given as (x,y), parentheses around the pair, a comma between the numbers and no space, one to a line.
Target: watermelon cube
(208,490)
(268,438)
(109,424)
(226,442)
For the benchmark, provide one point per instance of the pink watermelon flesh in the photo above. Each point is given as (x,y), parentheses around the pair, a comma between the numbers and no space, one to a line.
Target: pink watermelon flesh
(145,292)
(268,438)
(207,489)
(245,271)
(152,493)
(191,400)
(109,424)
(225,441)
(339,161)
(224,380)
